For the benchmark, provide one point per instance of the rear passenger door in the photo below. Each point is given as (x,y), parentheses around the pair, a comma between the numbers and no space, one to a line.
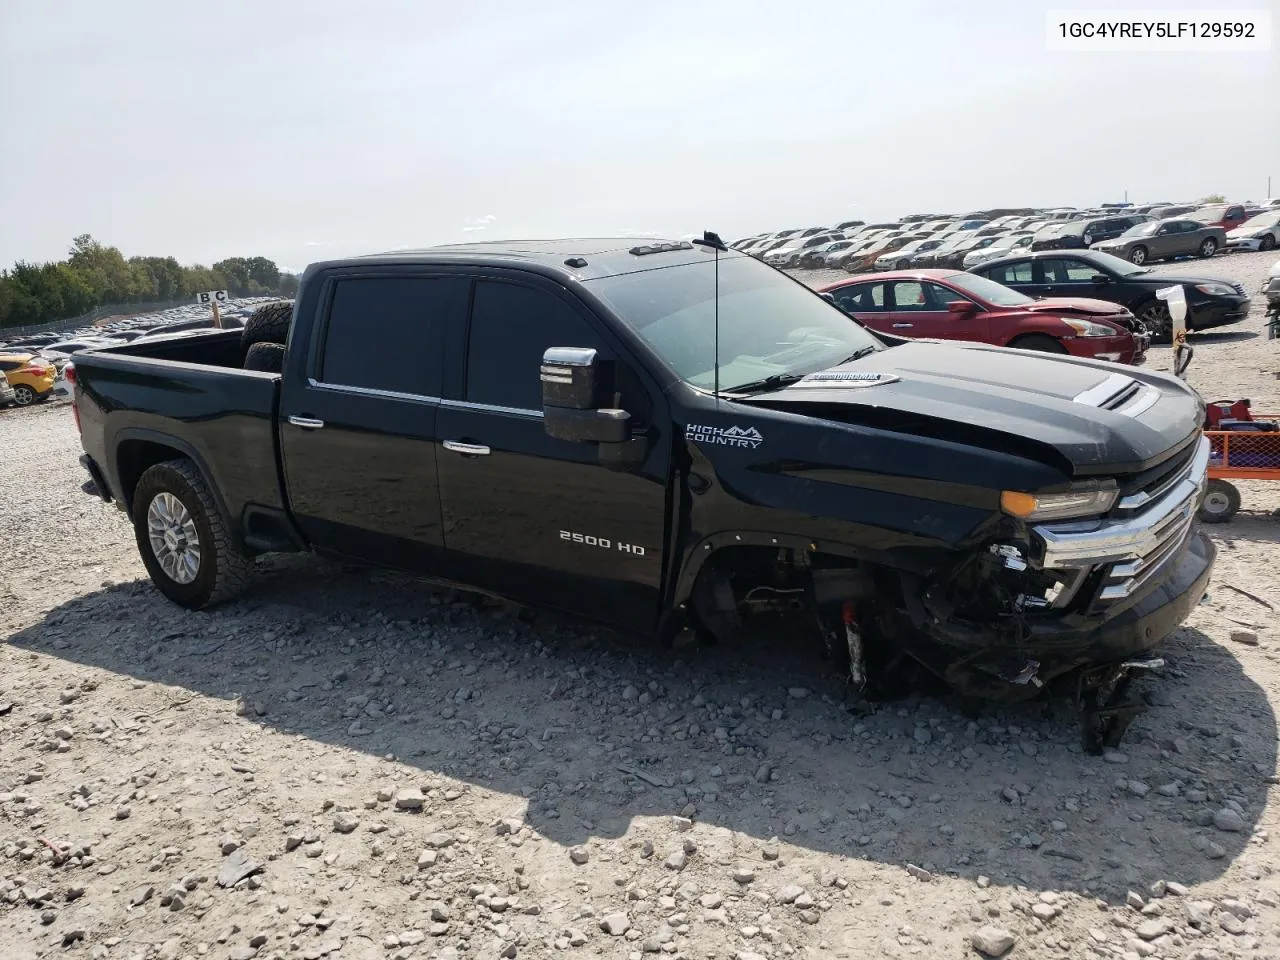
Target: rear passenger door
(534,518)
(358,415)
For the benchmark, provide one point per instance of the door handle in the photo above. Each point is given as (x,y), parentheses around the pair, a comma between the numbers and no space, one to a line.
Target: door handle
(467,449)
(902,326)
(307,423)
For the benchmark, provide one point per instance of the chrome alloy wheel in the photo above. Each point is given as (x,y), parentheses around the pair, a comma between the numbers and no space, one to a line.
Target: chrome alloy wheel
(174,539)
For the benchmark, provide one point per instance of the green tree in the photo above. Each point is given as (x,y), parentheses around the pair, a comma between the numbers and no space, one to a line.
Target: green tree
(1214,198)
(103,269)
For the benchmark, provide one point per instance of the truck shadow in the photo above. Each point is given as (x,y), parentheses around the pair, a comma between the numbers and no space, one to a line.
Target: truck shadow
(595,730)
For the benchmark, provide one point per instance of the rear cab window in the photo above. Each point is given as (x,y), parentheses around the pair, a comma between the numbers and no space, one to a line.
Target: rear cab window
(387,334)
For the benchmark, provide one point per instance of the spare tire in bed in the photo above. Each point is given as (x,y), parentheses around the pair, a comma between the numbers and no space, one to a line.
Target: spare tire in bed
(268,324)
(267,357)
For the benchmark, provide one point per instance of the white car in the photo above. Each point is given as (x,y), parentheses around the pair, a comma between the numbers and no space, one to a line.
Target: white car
(1001,248)
(1257,233)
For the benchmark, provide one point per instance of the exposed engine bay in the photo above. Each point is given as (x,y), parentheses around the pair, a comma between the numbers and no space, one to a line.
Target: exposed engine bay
(971,628)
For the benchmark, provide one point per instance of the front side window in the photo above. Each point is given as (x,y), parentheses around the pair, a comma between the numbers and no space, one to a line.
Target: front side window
(769,324)
(512,325)
(387,333)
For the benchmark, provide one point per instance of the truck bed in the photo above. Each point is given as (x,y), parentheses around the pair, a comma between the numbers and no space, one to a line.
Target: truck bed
(147,401)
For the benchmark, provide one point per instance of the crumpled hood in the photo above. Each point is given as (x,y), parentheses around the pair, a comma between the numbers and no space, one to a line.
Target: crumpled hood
(1101,418)
(1073,305)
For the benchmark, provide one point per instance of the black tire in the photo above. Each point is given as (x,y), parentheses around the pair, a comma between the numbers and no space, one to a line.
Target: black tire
(1155,316)
(1268,243)
(24,396)
(267,357)
(1221,502)
(223,569)
(1209,247)
(1138,255)
(1038,342)
(268,324)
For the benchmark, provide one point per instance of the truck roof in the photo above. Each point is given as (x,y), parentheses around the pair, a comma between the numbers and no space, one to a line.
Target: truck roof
(578,259)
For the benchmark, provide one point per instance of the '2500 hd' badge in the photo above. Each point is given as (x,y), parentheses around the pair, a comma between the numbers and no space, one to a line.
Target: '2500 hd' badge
(734,436)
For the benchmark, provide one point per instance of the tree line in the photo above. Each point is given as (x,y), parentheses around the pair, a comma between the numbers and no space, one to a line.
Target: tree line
(94,275)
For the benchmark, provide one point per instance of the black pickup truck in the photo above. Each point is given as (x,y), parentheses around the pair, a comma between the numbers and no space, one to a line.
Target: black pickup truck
(673,437)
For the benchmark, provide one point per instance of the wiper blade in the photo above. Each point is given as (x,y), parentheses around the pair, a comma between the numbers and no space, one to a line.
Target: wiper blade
(767,383)
(858,355)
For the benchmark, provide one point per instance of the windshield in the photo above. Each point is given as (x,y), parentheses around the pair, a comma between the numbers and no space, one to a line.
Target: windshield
(1260,222)
(769,324)
(988,290)
(1142,229)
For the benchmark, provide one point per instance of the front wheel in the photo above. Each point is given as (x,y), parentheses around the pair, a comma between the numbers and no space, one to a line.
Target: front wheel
(1155,316)
(1221,502)
(1138,255)
(1209,247)
(1268,243)
(23,395)
(183,539)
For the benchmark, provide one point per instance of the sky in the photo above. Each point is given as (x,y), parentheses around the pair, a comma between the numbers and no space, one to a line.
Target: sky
(306,131)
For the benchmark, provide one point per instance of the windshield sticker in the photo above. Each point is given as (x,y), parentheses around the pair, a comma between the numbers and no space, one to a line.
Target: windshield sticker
(735,436)
(852,378)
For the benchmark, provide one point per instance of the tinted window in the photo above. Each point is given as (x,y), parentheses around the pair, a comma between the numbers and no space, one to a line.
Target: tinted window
(386,333)
(861,298)
(511,327)
(1067,271)
(940,296)
(1019,272)
(9,365)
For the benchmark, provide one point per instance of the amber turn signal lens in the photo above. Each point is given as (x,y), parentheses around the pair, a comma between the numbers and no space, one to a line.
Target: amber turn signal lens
(1018,504)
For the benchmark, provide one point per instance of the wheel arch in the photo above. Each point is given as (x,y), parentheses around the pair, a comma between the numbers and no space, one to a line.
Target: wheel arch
(136,450)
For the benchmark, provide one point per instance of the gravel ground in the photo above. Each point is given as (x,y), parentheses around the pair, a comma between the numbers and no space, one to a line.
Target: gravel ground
(348,764)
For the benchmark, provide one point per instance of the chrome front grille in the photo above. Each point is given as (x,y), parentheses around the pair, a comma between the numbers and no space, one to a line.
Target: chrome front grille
(1154,484)
(1128,551)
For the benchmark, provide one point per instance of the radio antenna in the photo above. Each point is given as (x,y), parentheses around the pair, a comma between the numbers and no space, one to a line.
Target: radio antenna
(713,241)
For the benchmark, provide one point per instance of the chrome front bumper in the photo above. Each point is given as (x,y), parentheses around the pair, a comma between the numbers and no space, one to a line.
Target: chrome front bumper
(1134,549)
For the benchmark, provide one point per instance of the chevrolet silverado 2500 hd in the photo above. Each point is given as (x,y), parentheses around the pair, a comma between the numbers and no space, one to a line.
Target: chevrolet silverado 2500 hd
(670,437)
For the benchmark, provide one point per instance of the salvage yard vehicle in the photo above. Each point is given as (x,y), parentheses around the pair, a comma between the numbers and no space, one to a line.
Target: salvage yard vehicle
(31,377)
(1163,239)
(1258,233)
(952,305)
(1211,302)
(672,438)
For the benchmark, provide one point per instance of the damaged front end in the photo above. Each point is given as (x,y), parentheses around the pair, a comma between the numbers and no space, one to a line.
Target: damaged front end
(1068,606)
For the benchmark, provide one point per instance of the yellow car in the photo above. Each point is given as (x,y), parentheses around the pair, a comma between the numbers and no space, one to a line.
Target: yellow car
(31,377)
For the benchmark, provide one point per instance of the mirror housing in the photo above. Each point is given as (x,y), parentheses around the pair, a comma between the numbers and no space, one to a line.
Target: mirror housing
(587,426)
(570,378)
(573,380)
(962,307)
(1100,278)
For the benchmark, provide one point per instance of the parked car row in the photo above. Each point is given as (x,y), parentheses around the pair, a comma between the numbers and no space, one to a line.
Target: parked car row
(32,365)
(1139,234)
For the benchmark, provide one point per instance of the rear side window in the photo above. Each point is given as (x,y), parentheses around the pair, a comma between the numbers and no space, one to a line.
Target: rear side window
(387,333)
(511,327)
(1011,272)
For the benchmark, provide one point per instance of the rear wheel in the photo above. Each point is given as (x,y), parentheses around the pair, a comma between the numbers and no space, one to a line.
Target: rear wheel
(183,539)
(1209,247)
(1138,255)
(1221,502)
(1039,342)
(23,395)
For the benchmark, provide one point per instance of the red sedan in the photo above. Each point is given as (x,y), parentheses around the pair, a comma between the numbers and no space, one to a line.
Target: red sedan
(953,305)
